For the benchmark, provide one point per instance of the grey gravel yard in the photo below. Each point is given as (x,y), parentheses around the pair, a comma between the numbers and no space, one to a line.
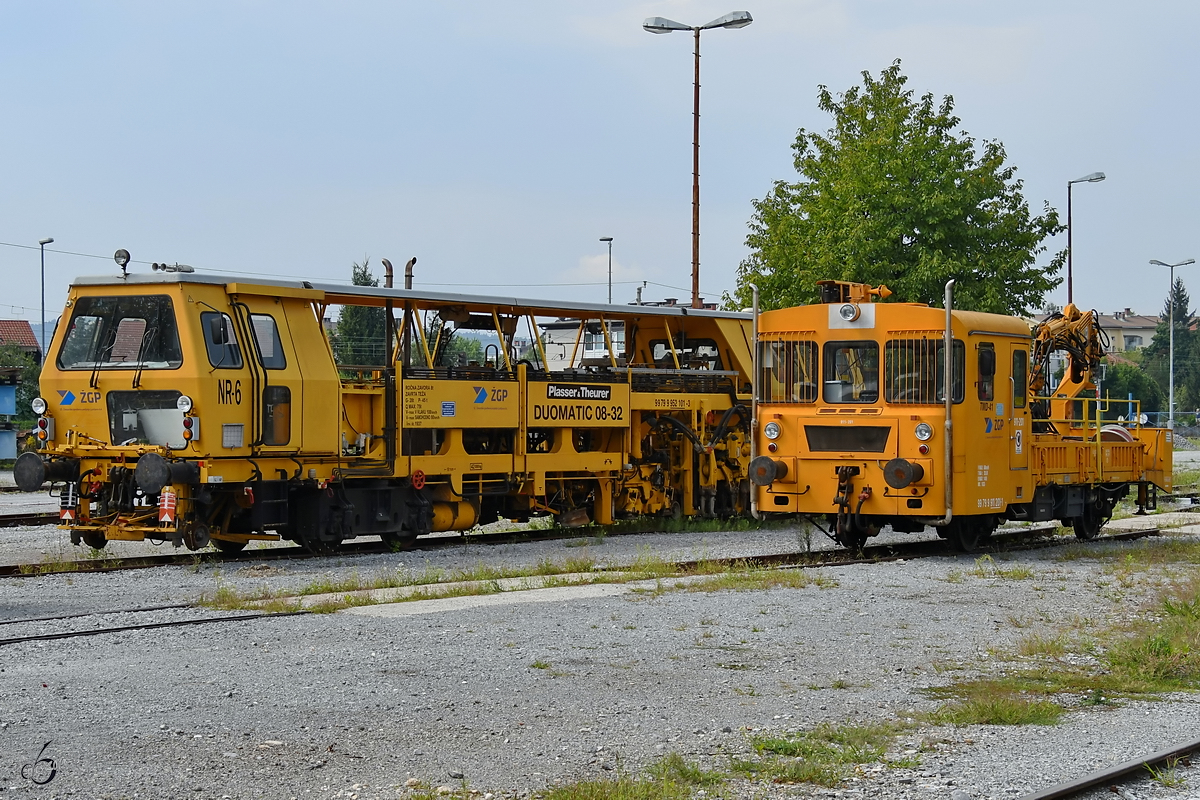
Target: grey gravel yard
(511,693)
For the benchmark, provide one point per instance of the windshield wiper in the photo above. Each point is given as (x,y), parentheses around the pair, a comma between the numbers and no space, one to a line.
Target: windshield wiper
(146,339)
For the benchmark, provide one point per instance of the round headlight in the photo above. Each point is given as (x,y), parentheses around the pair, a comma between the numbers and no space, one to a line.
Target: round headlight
(848,312)
(184,403)
(923,431)
(771,430)
(38,405)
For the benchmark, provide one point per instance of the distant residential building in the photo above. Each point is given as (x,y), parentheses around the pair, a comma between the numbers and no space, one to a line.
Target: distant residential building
(20,333)
(1127,330)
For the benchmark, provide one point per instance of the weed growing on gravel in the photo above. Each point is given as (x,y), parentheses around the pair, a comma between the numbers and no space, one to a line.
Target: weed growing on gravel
(1038,645)
(671,778)
(754,578)
(986,567)
(1167,775)
(824,755)
(998,709)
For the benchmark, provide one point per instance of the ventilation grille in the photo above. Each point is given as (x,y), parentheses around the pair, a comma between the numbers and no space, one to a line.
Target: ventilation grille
(838,439)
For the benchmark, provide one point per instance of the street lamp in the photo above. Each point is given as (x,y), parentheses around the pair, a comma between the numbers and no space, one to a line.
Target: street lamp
(609,240)
(1171,325)
(1095,177)
(734,19)
(42,246)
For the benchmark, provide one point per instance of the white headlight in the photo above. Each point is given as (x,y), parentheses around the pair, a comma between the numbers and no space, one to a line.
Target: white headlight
(848,312)
(184,403)
(923,431)
(771,430)
(38,405)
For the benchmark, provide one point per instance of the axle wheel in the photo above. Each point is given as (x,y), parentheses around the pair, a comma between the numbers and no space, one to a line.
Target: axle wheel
(94,539)
(399,540)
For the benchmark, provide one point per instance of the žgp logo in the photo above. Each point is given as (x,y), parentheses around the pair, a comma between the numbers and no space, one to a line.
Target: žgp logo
(481,394)
(65,398)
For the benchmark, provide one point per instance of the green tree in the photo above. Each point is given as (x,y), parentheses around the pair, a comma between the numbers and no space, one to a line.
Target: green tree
(1156,357)
(894,194)
(13,356)
(361,331)
(1120,380)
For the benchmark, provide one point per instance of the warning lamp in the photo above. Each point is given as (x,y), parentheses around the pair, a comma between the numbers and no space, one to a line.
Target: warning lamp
(45,430)
(191,429)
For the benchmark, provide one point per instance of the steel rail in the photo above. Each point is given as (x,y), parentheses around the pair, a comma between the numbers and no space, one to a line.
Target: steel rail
(1104,776)
(96,613)
(28,518)
(45,637)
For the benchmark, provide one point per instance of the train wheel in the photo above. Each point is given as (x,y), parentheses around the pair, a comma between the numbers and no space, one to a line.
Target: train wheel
(399,540)
(229,547)
(319,546)
(94,539)
(1088,526)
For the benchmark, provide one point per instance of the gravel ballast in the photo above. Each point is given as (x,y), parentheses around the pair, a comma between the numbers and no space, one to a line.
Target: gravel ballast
(515,696)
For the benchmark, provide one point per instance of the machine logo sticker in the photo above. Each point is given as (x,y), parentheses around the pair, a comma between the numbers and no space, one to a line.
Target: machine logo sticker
(988,426)
(66,397)
(481,394)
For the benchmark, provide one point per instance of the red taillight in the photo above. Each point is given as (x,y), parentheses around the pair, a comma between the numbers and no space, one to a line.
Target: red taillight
(772,447)
(923,449)
(187,422)
(43,423)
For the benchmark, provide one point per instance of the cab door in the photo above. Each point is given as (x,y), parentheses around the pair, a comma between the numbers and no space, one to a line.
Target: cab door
(280,384)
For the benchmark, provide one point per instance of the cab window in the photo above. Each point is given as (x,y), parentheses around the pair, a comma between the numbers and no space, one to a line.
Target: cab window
(266,341)
(137,332)
(914,371)
(787,372)
(851,372)
(1020,378)
(220,341)
(986,384)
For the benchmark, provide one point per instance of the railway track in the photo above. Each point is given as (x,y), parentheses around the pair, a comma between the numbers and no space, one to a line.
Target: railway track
(1025,538)
(29,518)
(1112,776)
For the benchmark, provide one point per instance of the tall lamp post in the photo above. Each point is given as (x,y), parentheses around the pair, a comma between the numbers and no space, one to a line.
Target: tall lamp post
(42,341)
(1171,325)
(734,19)
(1095,177)
(609,240)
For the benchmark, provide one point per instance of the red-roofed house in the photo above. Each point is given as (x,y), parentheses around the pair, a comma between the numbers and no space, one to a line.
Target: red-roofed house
(20,333)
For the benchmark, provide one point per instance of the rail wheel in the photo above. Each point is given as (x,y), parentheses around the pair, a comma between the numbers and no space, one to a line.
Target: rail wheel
(94,539)
(399,540)
(1096,512)
(968,534)
(229,547)
(197,536)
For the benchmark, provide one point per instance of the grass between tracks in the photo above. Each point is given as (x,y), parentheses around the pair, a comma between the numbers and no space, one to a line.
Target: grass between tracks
(389,586)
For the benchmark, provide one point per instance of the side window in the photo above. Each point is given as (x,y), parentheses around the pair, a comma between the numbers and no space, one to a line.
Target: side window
(851,372)
(266,341)
(220,341)
(1020,378)
(987,371)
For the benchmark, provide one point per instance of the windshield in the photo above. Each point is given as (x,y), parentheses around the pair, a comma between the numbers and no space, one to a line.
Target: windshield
(121,333)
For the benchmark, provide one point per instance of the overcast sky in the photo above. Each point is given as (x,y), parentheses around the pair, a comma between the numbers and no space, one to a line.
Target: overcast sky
(497,142)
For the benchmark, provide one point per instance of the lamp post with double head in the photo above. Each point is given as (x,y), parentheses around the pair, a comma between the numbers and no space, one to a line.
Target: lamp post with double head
(609,239)
(42,340)
(1171,327)
(1095,177)
(734,19)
